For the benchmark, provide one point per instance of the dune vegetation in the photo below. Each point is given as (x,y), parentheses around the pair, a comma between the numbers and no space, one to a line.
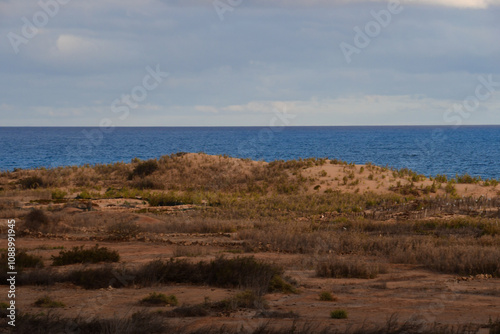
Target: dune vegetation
(234,241)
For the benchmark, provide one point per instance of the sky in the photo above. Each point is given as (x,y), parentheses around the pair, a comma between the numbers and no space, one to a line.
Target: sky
(247,62)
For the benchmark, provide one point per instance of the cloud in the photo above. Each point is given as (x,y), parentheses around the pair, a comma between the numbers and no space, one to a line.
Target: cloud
(264,55)
(332,3)
(206,109)
(71,45)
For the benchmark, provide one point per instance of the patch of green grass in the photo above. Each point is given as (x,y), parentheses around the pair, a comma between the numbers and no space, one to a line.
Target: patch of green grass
(338,314)
(47,302)
(159,299)
(80,255)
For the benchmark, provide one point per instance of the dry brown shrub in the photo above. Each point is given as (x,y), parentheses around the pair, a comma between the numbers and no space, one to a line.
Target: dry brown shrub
(338,267)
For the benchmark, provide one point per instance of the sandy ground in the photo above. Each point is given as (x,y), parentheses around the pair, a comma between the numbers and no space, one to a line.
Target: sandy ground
(408,292)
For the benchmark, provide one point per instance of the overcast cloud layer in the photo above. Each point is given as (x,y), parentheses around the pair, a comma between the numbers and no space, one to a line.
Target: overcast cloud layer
(238,62)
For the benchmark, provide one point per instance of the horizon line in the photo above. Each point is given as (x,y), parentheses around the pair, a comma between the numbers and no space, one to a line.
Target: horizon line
(245,126)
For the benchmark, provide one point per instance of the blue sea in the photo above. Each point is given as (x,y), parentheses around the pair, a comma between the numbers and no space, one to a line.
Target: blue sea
(429,150)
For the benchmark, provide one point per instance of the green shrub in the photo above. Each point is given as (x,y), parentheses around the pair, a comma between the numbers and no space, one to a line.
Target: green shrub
(165,199)
(338,314)
(47,302)
(58,194)
(326,296)
(450,189)
(466,178)
(84,195)
(441,178)
(80,255)
(160,299)
(278,284)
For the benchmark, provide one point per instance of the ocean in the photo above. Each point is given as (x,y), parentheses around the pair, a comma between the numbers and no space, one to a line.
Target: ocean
(429,150)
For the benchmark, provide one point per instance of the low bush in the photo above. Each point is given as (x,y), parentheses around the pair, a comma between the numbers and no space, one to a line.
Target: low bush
(147,183)
(168,199)
(338,314)
(159,299)
(241,272)
(450,189)
(85,195)
(123,231)
(36,219)
(326,296)
(58,194)
(31,182)
(44,277)
(25,260)
(246,299)
(90,255)
(466,178)
(336,267)
(278,284)
(192,311)
(52,322)
(98,278)
(144,168)
(277,315)
(47,302)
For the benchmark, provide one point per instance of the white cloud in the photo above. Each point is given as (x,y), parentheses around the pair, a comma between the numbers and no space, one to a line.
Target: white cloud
(461,3)
(330,3)
(69,45)
(206,109)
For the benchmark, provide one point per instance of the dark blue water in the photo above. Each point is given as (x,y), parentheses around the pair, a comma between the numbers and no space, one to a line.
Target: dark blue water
(428,150)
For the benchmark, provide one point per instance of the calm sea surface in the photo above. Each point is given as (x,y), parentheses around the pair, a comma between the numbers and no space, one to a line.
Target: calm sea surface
(428,150)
